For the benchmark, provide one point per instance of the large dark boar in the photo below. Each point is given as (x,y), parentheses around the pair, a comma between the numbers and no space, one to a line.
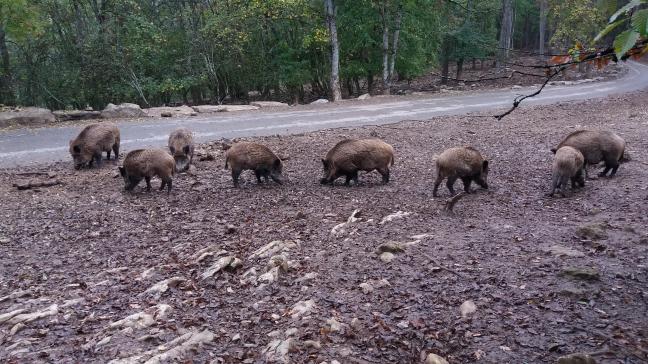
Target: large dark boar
(91,142)
(349,156)
(462,162)
(146,163)
(181,146)
(597,146)
(568,164)
(245,155)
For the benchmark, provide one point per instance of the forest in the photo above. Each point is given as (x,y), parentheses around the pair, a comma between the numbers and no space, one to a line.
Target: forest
(65,54)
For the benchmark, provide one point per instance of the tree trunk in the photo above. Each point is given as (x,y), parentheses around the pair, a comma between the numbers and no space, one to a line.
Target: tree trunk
(542,26)
(396,36)
(331,10)
(6,94)
(506,33)
(459,69)
(370,82)
(385,50)
(445,69)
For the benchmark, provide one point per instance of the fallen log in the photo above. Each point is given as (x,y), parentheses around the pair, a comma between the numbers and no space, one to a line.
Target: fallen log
(26,185)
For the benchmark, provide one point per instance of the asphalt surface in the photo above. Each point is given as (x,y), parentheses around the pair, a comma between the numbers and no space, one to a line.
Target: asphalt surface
(23,147)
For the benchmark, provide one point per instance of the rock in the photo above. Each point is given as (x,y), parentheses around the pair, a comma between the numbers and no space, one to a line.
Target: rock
(302,308)
(138,320)
(262,104)
(166,111)
(334,325)
(125,110)
(312,344)
(435,359)
(391,247)
(341,228)
(394,216)
(387,257)
(254,93)
(467,308)
(516,87)
(230,229)
(306,277)
(559,251)
(67,115)
(157,289)
(29,116)
(229,261)
(278,350)
(364,97)
(596,231)
(366,287)
(223,108)
(588,274)
(576,359)
(320,101)
(403,324)
(270,276)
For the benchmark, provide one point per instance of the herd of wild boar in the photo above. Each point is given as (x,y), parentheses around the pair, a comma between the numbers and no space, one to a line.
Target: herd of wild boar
(346,158)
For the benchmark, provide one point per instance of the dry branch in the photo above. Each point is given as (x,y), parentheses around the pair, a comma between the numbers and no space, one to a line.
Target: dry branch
(451,202)
(25,185)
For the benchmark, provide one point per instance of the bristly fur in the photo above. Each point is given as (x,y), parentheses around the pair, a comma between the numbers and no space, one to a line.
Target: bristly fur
(147,163)
(568,165)
(597,146)
(465,163)
(92,141)
(256,157)
(349,156)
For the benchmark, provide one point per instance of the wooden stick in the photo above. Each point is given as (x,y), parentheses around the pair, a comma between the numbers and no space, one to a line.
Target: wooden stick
(450,203)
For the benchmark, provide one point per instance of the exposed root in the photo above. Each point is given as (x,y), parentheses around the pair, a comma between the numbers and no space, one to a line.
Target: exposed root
(157,289)
(14,295)
(396,215)
(25,185)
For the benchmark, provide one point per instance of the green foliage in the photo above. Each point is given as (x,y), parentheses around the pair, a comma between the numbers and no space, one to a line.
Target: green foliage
(637,27)
(575,21)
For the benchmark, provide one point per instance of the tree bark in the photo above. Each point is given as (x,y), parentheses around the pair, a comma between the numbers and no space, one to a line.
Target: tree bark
(459,68)
(331,10)
(506,33)
(6,93)
(396,36)
(385,49)
(542,27)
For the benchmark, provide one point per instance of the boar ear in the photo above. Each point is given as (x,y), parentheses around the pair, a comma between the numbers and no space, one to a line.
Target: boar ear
(324,162)
(186,149)
(485,165)
(553,150)
(76,149)
(122,171)
(277,163)
(172,149)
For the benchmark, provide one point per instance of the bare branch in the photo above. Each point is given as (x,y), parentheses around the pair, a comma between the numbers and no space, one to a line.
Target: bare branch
(451,202)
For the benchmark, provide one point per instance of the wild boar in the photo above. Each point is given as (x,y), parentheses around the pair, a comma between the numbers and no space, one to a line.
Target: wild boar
(349,156)
(146,163)
(91,142)
(568,164)
(259,158)
(181,146)
(597,146)
(461,162)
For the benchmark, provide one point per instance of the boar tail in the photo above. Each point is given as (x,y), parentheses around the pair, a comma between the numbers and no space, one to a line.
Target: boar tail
(391,163)
(226,162)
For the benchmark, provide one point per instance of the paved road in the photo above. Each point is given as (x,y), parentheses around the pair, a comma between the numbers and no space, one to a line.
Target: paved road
(27,146)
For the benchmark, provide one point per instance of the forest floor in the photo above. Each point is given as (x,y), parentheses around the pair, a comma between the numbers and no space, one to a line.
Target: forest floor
(90,273)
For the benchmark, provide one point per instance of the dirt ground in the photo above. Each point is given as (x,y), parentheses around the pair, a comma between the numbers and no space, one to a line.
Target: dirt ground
(89,273)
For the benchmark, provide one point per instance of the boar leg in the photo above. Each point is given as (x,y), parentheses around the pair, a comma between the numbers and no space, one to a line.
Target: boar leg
(450,184)
(385,174)
(115,149)
(610,164)
(98,158)
(133,182)
(235,176)
(166,182)
(108,154)
(257,173)
(438,181)
(466,182)
(148,184)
